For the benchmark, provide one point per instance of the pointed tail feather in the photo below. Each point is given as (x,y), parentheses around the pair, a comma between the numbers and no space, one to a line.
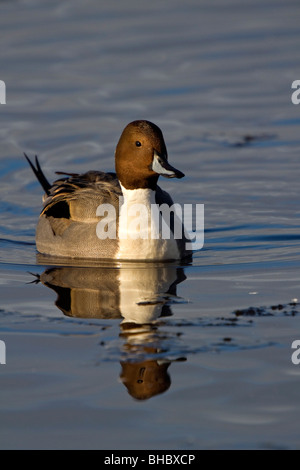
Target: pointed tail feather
(39,174)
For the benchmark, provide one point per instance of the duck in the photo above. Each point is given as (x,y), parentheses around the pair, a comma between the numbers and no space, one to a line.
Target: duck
(114,215)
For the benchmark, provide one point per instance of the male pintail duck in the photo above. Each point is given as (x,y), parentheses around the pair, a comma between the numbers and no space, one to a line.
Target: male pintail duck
(69,224)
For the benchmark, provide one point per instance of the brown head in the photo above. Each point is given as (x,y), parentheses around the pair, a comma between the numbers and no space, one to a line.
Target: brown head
(141,156)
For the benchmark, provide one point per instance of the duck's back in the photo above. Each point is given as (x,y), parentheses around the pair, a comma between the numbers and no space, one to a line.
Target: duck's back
(68,222)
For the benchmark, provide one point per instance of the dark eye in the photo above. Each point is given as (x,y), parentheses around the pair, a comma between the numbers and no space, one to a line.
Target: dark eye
(138,143)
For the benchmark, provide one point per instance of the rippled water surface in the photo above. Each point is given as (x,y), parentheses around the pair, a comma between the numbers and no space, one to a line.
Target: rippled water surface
(154,356)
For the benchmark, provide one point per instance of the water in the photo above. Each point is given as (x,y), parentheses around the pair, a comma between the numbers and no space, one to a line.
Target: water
(202,369)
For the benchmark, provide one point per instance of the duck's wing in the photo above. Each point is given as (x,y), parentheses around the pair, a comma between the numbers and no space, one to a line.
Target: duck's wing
(78,197)
(68,222)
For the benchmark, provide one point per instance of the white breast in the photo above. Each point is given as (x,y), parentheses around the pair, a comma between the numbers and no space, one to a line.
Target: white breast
(140,224)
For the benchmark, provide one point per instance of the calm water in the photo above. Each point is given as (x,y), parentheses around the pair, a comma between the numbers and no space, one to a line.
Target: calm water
(196,367)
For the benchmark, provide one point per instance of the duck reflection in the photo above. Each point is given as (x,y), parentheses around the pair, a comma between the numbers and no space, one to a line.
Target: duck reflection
(139,295)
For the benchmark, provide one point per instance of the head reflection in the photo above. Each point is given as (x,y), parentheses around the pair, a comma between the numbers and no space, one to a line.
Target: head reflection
(144,374)
(145,379)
